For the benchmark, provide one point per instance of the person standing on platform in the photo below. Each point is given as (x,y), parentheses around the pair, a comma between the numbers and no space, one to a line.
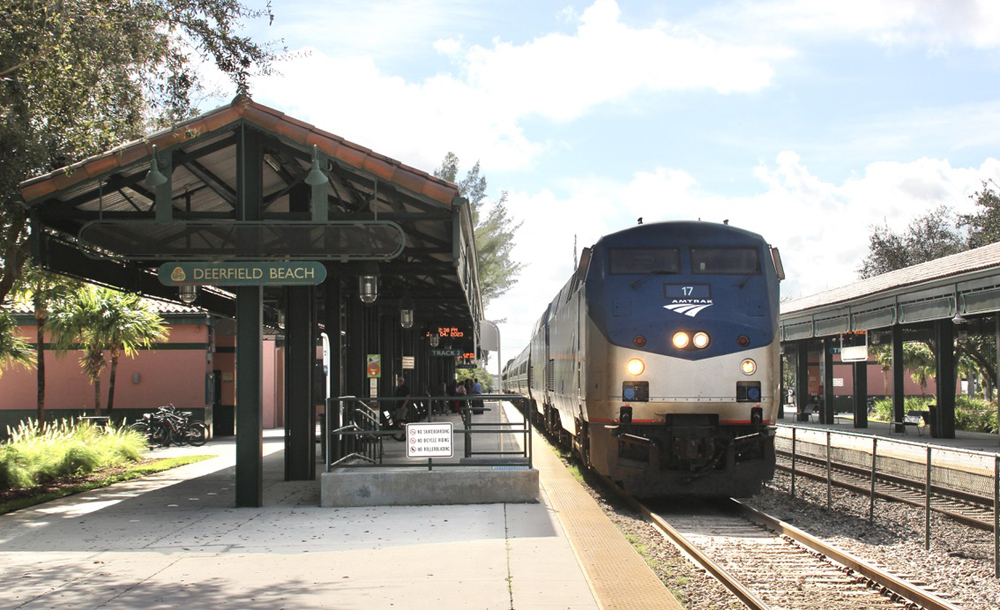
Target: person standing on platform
(477,388)
(403,393)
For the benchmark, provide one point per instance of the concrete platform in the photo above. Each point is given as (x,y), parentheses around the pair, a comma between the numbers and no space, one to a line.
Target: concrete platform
(176,540)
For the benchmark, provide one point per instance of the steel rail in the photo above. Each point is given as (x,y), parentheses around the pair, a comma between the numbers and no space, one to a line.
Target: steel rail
(883,578)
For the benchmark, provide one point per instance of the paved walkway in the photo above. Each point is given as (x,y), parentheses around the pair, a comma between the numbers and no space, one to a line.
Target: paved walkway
(175,540)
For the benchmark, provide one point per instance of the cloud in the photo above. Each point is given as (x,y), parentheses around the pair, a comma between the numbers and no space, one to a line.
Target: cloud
(821,228)
(479,112)
(936,25)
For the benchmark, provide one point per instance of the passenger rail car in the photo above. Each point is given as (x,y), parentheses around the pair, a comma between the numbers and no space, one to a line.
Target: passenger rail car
(658,360)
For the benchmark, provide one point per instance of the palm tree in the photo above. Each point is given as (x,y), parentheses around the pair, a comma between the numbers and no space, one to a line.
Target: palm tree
(13,349)
(104,319)
(129,323)
(42,290)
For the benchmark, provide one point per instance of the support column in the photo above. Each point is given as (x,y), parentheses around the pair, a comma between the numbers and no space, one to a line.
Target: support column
(249,396)
(827,381)
(801,375)
(300,406)
(898,370)
(861,394)
(354,367)
(944,421)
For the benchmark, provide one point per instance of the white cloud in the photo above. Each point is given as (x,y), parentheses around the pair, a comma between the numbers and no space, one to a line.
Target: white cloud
(931,23)
(821,228)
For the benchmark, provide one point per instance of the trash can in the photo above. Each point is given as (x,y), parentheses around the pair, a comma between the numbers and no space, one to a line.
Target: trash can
(932,420)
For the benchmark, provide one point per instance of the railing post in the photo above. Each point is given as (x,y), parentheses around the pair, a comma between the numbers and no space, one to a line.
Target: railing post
(927,504)
(871,504)
(996,517)
(829,473)
(794,430)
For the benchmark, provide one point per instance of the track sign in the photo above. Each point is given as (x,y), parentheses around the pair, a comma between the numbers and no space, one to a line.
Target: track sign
(854,346)
(429,440)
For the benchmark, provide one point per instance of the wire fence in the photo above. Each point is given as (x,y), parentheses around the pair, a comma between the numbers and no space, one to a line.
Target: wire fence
(939,472)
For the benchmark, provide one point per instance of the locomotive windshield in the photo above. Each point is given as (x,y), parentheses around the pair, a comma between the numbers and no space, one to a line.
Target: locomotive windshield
(725,261)
(634,261)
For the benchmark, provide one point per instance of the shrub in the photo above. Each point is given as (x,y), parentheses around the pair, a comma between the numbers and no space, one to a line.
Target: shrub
(31,457)
(971,414)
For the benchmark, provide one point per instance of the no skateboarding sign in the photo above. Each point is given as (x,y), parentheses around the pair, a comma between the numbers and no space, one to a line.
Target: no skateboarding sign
(427,440)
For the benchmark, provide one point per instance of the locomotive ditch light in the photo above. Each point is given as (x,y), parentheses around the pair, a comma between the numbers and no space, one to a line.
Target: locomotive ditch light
(748,366)
(701,340)
(635,366)
(681,340)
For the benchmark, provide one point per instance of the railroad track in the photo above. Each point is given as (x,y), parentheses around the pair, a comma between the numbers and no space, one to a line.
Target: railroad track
(970,510)
(770,564)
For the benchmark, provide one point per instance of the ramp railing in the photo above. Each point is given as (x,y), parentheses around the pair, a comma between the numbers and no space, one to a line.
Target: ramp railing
(486,430)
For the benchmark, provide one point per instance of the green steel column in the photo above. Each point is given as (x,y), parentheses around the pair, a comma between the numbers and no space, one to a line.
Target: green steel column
(945,419)
(300,407)
(801,375)
(249,397)
(898,370)
(827,380)
(861,394)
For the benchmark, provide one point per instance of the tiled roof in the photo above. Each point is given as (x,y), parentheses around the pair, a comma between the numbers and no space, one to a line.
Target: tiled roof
(979,259)
(245,109)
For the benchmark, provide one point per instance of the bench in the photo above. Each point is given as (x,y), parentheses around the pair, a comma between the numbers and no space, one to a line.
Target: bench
(808,411)
(912,418)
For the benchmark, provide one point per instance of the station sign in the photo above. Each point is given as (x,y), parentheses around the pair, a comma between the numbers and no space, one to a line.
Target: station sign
(427,440)
(286,273)
(374,366)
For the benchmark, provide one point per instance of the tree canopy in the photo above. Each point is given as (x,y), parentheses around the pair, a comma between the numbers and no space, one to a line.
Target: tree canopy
(78,77)
(494,232)
(928,237)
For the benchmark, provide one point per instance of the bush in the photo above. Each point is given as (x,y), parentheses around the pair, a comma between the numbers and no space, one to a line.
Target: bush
(971,414)
(31,457)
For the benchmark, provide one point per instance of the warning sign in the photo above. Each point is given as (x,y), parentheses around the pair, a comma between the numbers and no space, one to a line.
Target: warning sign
(427,440)
(374,367)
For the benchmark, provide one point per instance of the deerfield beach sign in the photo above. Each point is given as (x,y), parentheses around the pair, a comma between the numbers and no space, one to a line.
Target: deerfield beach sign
(303,273)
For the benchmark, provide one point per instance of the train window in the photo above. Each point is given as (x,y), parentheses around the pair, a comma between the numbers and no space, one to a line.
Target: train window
(725,261)
(635,261)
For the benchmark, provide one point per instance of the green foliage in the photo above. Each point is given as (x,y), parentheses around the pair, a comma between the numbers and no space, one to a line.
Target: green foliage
(984,225)
(494,233)
(971,414)
(13,349)
(33,456)
(79,77)
(928,237)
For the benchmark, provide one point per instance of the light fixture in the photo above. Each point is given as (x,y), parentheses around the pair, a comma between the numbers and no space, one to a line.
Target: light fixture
(435,340)
(958,319)
(154,178)
(406,312)
(188,293)
(368,283)
(635,366)
(315,177)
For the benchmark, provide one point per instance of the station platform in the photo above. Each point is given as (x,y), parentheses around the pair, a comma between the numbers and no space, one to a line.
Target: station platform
(972,441)
(175,540)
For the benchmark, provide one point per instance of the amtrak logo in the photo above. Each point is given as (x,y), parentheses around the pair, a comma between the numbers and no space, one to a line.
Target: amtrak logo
(689,307)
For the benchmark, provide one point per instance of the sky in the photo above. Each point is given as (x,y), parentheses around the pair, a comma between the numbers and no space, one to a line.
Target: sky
(809,122)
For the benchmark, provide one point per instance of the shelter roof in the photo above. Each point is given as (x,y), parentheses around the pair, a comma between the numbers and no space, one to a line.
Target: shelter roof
(236,188)
(967,283)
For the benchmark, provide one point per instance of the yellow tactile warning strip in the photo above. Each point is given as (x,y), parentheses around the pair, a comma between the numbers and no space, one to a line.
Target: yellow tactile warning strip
(618,576)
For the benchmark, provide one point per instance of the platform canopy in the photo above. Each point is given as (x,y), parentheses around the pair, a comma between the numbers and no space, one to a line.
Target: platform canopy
(247,183)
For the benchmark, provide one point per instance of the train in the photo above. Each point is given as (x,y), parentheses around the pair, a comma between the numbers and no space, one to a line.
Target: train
(657,362)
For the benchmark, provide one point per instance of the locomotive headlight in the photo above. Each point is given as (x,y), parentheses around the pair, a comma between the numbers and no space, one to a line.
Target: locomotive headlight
(681,340)
(701,340)
(635,367)
(748,366)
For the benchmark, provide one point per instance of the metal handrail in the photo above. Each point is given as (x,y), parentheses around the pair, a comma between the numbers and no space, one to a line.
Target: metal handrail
(356,434)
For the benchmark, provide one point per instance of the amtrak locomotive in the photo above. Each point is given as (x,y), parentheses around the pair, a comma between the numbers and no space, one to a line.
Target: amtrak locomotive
(658,360)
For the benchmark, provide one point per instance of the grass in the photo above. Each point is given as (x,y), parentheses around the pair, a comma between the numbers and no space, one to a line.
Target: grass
(24,497)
